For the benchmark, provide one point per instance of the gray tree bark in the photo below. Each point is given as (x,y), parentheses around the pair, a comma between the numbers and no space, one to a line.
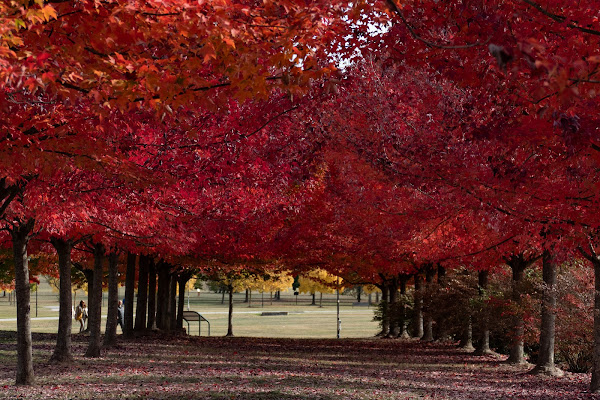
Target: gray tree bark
(404,324)
(182,280)
(428,318)
(172,314)
(483,340)
(392,305)
(129,293)
(142,295)
(21,234)
(152,279)
(545,363)
(518,264)
(594,258)
(62,349)
(418,307)
(385,317)
(162,296)
(230,317)
(466,341)
(595,382)
(110,333)
(95,306)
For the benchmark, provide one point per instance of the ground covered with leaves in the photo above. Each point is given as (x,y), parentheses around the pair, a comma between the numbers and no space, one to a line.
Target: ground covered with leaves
(158,367)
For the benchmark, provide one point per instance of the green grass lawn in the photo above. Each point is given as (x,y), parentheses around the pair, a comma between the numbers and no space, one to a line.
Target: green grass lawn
(303,320)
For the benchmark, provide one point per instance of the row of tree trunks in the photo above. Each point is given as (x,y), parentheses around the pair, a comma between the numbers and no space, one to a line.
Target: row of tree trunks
(158,306)
(21,233)
(518,263)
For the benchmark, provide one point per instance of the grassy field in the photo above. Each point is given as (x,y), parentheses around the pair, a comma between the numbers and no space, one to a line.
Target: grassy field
(303,320)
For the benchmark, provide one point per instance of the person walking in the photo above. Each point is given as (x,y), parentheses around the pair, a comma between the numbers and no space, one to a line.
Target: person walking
(120,314)
(81,315)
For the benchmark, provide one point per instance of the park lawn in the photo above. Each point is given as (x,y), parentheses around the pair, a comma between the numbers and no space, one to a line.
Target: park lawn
(161,367)
(303,320)
(300,323)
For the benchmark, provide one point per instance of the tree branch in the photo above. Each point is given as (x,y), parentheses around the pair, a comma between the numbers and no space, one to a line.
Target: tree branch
(394,7)
(560,18)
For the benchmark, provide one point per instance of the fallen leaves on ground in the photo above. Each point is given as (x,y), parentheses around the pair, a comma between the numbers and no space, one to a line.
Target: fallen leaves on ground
(163,367)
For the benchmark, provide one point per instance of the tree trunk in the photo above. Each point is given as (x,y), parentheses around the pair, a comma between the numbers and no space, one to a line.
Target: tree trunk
(428,318)
(466,341)
(62,350)
(314,299)
(385,308)
(172,317)
(183,279)
(230,318)
(142,295)
(393,304)
(95,306)
(483,341)
(129,293)
(545,363)
(441,275)
(151,294)
(246,299)
(418,307)
(441,328)
(595,382)
(20,238)
(162,296)
(517,352)
(110,333)
(404,323)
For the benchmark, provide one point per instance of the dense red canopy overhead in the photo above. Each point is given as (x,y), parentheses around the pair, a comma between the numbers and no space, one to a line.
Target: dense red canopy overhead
(458,131)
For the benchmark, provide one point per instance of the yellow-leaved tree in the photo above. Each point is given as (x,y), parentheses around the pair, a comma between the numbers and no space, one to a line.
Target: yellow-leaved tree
(320,281)
(265,283)
(372,289)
